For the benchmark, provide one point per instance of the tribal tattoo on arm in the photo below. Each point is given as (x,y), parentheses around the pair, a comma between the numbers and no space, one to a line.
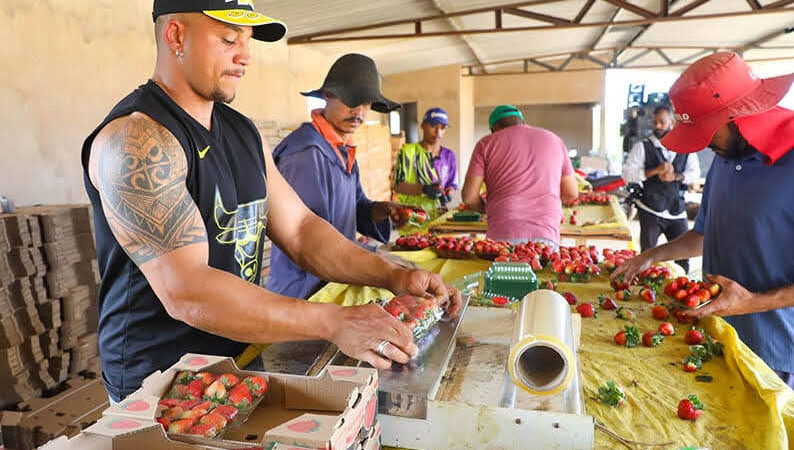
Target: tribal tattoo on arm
(140,174)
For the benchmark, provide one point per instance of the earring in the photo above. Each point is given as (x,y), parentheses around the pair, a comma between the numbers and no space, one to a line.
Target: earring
(178,53)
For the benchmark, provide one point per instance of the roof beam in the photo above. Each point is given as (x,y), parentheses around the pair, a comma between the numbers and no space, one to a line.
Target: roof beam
(536,16)
(329,36)
(566,62)
(635,57)
(587,57)
(664,56)
(456,25)
(778,4)
(753,4)
(664,8)
(633,8)
(758,42)
(541,64)
(583,12)
(689,7)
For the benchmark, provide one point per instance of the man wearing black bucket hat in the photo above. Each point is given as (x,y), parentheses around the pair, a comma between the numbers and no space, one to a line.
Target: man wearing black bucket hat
(183,193)
(319,161)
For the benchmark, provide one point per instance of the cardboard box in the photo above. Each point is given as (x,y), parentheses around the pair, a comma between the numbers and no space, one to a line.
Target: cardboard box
(331,411)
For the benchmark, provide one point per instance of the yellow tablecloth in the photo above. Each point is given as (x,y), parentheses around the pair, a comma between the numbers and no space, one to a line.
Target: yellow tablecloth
(747,406)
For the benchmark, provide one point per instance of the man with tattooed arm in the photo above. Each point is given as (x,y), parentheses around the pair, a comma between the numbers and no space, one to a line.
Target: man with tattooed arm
(184,192)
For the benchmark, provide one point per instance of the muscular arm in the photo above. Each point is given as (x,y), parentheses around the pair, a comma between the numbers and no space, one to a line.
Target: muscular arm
(688,245)
(139,169)
(408,188)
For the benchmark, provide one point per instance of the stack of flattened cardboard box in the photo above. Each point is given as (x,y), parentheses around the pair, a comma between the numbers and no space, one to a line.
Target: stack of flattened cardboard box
(48,312)
(374,156)
(272,135)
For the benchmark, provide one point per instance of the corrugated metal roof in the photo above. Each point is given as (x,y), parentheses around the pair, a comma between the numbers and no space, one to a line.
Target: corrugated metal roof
(399,55)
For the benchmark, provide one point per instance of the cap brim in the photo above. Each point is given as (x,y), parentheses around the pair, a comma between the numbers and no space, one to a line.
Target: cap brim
(692,137)
(265,28)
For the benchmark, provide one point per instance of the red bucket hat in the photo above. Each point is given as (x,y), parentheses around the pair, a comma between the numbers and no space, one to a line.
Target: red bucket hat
(713,91)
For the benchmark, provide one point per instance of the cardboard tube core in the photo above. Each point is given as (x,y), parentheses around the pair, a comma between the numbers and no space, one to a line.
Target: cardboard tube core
(542,367)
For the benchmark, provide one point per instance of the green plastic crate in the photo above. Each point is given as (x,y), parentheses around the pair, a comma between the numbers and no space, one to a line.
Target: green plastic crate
(511,280)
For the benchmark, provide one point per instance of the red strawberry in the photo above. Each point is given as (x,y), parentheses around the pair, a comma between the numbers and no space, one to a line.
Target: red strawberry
(206,377)
(187,405)
(169,402)
(229,380)
(214,419)
(193,414)
(690,367)
(258,385)
(692,301)
(178,391)
(173,413)
(607,303)
(570,298)
(164,422)
(500,301)
(623,295)
(195,389)
(240,396)
(207,431)
(681,294)
(228,412)
(690,408)
(180,426)
(648,294)
(693,337)
(652,339)
(620,338)
(550,285)
(666,329)
(206,406)
(586,310)
(659,312)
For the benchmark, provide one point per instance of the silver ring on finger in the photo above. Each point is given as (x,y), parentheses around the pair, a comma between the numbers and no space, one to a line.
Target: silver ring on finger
(381,347)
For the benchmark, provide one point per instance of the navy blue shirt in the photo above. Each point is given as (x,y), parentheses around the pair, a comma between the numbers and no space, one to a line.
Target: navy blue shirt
(309,164)
(747,222)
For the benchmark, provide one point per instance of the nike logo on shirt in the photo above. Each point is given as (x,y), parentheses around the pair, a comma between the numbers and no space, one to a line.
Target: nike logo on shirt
(203,153)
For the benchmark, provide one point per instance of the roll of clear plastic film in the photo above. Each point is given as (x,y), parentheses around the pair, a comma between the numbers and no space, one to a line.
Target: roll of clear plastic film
(542,355)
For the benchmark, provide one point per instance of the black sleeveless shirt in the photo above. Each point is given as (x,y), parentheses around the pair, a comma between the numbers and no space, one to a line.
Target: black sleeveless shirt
(226,178)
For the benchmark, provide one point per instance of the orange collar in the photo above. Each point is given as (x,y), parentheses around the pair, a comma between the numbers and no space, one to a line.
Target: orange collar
(327,131)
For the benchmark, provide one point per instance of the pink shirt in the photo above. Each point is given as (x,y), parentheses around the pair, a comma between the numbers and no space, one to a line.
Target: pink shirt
(522,167)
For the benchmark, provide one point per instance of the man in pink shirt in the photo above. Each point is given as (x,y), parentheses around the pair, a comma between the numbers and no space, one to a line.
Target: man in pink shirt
(528,174)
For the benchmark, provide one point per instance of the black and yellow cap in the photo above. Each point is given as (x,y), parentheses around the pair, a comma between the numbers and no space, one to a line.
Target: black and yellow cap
(235,12)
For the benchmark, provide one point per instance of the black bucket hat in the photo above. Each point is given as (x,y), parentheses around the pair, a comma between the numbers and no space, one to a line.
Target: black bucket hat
(355,80)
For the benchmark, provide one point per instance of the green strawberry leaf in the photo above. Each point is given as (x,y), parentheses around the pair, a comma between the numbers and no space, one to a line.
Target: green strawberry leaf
(696,403)
(632,336)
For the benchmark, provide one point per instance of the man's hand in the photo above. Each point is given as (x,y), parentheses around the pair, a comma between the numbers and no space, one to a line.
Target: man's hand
(362,329)
(662,171)
(732,301)
(422,283)
(632,267)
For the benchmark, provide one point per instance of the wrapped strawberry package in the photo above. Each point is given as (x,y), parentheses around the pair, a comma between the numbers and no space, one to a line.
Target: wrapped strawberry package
(419,314)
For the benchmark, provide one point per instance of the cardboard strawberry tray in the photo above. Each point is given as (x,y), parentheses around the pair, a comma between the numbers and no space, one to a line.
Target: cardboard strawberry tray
(334,411)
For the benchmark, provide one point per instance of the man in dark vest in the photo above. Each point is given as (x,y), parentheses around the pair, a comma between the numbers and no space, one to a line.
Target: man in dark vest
(183,193)
(663,174)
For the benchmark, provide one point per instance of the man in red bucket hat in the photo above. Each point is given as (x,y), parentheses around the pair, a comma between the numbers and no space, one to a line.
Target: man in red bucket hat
(745,226)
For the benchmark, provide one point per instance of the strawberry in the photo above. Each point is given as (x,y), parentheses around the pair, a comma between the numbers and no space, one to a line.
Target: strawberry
(228,380)
(607,303)
(178,391)
(214,419)
(187,405)
(216,392)
(169,402)
(228,412)
(714,289)
(671,289)
(666,329)
(240,396)
(619,284)
(681,294)
(180,426)
(652,339)
(570,298)
(611,394)
(620,338)
(692,301)
(648,294)
(703,294)
(625,314)
(173,413)
(164,422)
(500,301)
(586,310)
(184,377)
(693,337)
(207,431)
(690,408)
(206,377)
(206,406)
(193,414)
(630,336)
(623,295)
(195,389)
(659,312)
(550,285)
(690,367)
